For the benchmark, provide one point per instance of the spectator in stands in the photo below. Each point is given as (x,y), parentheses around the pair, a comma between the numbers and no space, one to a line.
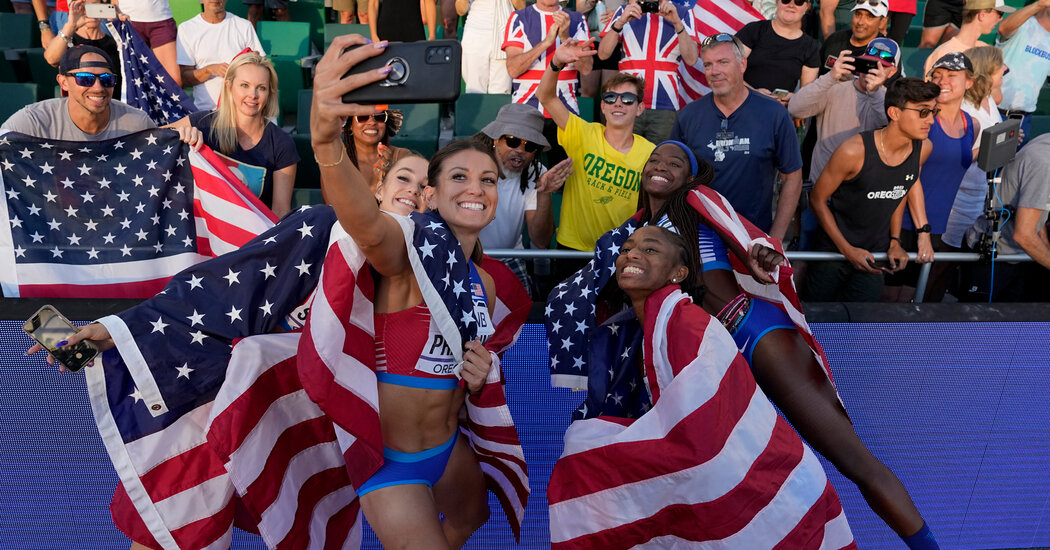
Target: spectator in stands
(279,9)
(1025,194)
(80,29)
(153,20)
(525,185)
(51,16)
(654,42)
(834,15)
(484,61)
(89,113)
(206,45)
(1025,41)
(953,135)
(859,198)
(346,9)
(602,192)
(845,104)
(900,15)
(868,18)
(941,19)
(531,34)
(979,17)
(980,103)
(747,136)
(402,20)
(241,129)
(367,138)
(780,56)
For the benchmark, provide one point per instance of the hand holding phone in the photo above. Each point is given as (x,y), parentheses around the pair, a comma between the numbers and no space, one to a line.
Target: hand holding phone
(52,330)
(420,72)
(100,10)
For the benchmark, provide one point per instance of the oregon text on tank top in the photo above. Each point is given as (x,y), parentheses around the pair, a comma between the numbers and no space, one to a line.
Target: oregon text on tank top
(410,349)
(862,205)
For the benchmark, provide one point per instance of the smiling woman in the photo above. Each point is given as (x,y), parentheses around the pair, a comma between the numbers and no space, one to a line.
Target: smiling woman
(257,150)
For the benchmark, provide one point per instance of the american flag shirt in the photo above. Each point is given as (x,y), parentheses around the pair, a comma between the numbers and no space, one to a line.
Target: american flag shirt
(525,29)
(651,51)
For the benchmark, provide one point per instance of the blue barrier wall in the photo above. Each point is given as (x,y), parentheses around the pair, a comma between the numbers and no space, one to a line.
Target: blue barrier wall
(958,410)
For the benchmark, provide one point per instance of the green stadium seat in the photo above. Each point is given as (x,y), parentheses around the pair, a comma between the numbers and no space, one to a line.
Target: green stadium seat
(42,72)
(306,197)
(184,10)
(285,38)
(912,60)
(16,95)
(307,174)
(332,30)
(1043,106)
(587,105)
(311,12)
(474,111)
(1040,125)
(420,128)
(19,29)
(7,68)
(302,114)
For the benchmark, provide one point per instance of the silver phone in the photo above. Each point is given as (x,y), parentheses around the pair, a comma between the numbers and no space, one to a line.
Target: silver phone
(49,328)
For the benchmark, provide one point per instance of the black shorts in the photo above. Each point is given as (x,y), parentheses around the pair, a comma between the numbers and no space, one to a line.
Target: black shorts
(939,13)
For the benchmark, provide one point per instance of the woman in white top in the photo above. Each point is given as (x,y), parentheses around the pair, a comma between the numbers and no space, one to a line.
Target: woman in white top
(484,62)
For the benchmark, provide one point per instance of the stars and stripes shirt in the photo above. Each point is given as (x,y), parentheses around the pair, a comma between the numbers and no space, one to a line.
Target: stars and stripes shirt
(525,29)
(711,17)
(188,442)
(651,51)
(115,218)
(711,465)
(146,84)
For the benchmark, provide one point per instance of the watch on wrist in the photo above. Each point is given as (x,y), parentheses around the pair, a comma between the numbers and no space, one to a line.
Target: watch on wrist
(619,30)
(898,239)
(43,25)
(555,67)
(924,229)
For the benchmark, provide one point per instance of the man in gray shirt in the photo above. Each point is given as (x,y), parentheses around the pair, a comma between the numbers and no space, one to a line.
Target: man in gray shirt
(89,113)
(1025,194)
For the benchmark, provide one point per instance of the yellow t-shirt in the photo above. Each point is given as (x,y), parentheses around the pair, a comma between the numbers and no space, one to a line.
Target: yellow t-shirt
(602,191)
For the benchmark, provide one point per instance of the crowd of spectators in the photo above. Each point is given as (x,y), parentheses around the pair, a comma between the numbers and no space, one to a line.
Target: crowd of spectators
(824,70)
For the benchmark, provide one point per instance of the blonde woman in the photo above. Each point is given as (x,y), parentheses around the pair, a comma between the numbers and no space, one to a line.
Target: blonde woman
(263,155)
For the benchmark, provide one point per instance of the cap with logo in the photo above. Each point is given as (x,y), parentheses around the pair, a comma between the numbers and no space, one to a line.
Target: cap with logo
(884,51)
(955,61)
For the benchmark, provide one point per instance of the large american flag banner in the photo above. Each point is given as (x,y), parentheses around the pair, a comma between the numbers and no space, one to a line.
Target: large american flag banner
(651,51)
(711,465)
(525,29)
(712,17)
(146,84)
(572,303)
(115,218)
(198,451)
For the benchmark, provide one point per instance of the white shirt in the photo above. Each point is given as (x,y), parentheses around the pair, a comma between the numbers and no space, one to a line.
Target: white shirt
(505,229)
(201,43)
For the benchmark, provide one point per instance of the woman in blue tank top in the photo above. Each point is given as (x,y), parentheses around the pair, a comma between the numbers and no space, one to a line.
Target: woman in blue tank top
(784,365)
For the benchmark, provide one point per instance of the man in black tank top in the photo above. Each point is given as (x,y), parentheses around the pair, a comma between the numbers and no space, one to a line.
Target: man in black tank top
(859,198)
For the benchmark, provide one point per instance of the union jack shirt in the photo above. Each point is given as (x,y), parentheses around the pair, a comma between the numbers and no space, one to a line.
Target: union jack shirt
(525,29)
(650,51)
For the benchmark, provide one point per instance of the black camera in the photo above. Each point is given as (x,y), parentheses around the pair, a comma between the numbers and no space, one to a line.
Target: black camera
(649,7)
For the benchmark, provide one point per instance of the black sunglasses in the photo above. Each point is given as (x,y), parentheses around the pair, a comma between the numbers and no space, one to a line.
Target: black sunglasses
(87,80)
(923,113)
(378,117)
(515,142)
(716,38)
(627,98)
(797,2)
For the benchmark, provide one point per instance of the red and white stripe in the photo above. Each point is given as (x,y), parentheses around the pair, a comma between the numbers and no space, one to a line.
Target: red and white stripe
(711,465)
(710,18)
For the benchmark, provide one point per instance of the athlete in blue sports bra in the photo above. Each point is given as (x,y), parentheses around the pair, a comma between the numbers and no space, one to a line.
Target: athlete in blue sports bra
(783,364)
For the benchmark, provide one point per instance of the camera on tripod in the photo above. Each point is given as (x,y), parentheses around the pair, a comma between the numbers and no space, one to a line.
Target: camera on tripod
(998,148)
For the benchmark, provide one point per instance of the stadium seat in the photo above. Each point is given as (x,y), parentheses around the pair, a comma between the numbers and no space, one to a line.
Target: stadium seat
(420,128)
(306,197)
(302,113)
(7,68)
(42,72)
(19,30)
(307,174)
(1040,125)
(332,30)
(912,60)
(285,38)
(587,106)
(16,95)
(474,111)
(1043,106)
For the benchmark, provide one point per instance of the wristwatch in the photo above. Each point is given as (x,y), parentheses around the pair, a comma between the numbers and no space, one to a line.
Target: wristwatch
(43,25)
(924,229)
(64,36)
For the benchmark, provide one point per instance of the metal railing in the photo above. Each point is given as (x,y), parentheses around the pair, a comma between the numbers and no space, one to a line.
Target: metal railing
(920,286)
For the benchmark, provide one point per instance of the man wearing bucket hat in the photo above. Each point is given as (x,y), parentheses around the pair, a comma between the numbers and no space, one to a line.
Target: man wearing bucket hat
(525,185)
(978,17)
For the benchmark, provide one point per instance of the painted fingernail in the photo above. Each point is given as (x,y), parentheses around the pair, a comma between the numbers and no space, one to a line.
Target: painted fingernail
(386,70)
(380,45)
(382,107)
(368,41)
(62,343)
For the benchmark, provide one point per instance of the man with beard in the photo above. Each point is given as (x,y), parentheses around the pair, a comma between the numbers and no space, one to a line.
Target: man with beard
(525,185)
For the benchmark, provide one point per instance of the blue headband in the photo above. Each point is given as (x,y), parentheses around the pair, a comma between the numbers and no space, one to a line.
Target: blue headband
(688,153)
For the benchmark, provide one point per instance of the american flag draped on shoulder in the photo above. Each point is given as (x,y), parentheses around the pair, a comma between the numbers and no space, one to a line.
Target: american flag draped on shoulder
(570,307)
(115,218)
(711,17)
(711,465)
(146,84)
(196,450)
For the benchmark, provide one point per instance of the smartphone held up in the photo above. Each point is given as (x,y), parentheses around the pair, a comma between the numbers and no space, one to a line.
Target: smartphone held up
(50,328)
(421,72)
(100,10)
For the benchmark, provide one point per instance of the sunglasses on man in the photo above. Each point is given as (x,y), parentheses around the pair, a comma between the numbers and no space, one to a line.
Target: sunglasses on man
(627,98)
(797,2)
(515,142)
(923,113)
(87,79)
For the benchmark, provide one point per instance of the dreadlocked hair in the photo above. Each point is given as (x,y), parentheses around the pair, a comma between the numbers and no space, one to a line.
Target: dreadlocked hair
(531,172)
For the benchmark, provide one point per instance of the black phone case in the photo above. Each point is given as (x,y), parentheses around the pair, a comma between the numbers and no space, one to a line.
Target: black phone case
(424,72)
(863,66)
